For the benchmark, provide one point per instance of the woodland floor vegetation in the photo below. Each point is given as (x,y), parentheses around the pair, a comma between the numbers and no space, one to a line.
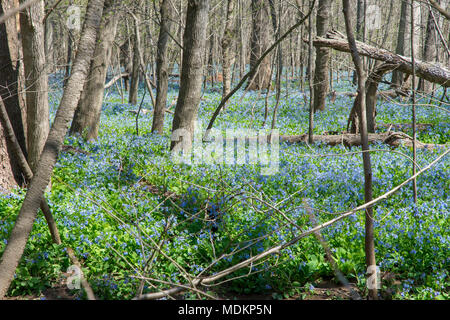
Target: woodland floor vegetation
(113,197)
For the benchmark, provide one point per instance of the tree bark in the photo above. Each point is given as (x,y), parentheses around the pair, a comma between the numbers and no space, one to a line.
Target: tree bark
(25,220)
(428,52)
(9,92)
(322,72)
(372,84)
(397,76)
(36,80)
(227,45)
(194,40)
(86,121)
(134,85)
(441,10)
(260,79)
(369,221)
(162,77)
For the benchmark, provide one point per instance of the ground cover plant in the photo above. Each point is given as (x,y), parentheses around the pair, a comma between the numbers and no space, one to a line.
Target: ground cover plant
(117,198)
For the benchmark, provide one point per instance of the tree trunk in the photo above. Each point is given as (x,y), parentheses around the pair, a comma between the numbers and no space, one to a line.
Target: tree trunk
(372,84)
(321,72)
(404,39)
(428,52)
(194,40)
(369,236)
(25,220)
(432,72)
(162,77)
(9,91)
(227,45)
(134,86)
(36,80)
(260,79)
(397,76)
(86,121)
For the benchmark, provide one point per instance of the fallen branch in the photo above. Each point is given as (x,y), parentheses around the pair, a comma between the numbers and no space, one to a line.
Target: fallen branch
(279,248)
(432,72)
(394,139)
(115,79)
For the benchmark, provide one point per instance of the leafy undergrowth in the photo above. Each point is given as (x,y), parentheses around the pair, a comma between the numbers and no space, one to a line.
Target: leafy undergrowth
(123,194)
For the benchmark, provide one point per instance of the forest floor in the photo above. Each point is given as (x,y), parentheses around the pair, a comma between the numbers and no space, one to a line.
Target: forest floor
(112,200)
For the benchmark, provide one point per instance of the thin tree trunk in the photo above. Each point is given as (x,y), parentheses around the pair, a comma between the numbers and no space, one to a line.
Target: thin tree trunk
(25,220)
(321,72)
(227,44)
(162,78)
(369,236)
(310,80)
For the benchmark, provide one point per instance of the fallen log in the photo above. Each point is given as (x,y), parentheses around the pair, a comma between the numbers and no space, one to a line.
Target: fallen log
(432,72)
(394,139)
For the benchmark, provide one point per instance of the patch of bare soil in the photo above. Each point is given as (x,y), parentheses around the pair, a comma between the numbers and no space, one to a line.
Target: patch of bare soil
(328,290)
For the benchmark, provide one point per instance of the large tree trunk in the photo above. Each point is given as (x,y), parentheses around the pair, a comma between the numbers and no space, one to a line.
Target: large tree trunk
(194,40)
(349,140)
(322,72)
(432,72)
(36,80)
(9,91)
(260,79)
(397,76)
(86,121)
(25,220)
(227,45)
(162,77)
